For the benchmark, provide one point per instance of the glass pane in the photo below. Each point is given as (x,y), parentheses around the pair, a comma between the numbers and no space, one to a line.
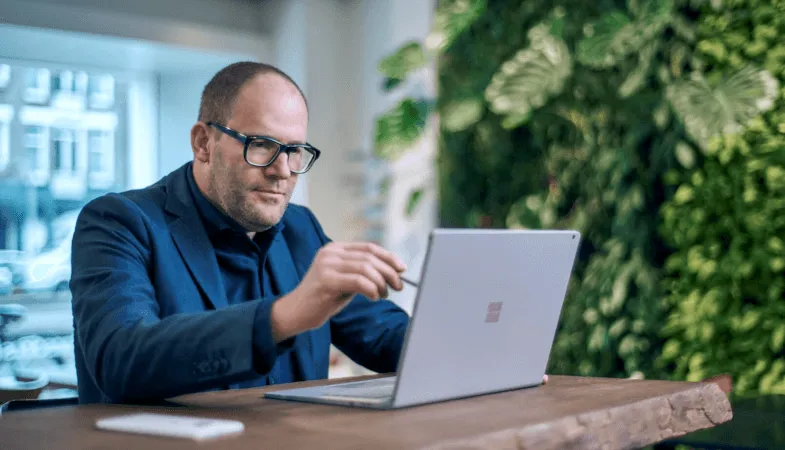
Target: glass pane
(299,160)
(58,155)
(32,158)
(42,191)
(95,161)
(260,151)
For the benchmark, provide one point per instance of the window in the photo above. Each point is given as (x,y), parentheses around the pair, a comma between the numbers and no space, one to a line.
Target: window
(36,164)
(6,114)
(101,90)
(66,134)
(64,82)
(100,162)
(64,151)
(69,90)
(80,83)
(69,163)
(37,85)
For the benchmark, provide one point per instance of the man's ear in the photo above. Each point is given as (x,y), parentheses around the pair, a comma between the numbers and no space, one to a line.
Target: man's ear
(200,142)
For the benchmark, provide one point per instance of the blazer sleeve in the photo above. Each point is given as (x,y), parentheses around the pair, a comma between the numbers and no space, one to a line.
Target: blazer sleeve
(371,333)
(131,353)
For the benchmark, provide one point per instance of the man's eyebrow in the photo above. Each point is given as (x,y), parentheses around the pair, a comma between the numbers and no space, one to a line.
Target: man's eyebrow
(277,138)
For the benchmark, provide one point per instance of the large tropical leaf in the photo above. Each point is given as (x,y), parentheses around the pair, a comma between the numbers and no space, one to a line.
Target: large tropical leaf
(725,107)
(406,59)
(451,19)
(400,127)
(528,79)
(616,35)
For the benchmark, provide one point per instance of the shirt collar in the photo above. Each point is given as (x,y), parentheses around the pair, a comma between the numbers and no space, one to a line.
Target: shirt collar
(215,221)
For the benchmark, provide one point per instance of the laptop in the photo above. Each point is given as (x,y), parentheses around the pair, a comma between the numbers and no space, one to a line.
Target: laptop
(484,320)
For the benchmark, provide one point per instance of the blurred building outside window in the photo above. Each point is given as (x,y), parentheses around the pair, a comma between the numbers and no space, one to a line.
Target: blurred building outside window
(64,140)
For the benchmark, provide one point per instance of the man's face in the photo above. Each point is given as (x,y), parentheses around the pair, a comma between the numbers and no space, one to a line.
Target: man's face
(257,197)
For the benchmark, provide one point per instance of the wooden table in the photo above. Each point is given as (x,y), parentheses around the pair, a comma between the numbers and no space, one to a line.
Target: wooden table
(568,412)
(758,423)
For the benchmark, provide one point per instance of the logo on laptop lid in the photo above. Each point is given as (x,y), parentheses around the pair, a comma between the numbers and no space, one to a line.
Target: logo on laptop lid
(494,310)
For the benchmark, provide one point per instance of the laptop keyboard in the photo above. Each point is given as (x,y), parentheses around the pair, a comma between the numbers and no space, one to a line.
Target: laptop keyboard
(378,388)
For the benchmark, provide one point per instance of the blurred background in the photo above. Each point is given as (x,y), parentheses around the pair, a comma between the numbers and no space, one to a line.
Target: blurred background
(654,127)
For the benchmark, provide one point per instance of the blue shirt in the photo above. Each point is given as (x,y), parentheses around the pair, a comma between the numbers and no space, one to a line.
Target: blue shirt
(245,274)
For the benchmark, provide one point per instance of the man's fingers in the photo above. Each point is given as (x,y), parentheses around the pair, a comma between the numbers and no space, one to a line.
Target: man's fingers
(354,282)
(391,276)
(366,270)
(368,260)
(381,253)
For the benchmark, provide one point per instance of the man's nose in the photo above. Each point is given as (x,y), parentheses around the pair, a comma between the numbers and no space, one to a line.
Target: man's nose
(280,167)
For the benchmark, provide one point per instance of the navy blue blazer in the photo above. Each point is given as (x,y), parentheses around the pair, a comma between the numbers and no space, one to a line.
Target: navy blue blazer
(151,319)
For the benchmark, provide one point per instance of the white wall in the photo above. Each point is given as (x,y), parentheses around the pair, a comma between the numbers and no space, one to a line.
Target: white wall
(332,49)
(308,36)
(408,236)
(179,106)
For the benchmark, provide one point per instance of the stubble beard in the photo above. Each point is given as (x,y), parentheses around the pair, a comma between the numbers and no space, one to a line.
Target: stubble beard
(235,202)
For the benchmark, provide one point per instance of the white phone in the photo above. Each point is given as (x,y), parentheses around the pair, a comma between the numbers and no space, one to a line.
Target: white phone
(169,425)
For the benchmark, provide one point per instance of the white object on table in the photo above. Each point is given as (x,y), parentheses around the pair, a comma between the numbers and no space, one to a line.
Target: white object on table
(169,425)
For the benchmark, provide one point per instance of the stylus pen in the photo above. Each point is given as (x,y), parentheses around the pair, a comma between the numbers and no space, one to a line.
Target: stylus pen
(410,282)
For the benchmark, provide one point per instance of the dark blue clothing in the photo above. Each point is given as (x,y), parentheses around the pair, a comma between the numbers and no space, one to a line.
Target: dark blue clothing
(245,274)
(167,302)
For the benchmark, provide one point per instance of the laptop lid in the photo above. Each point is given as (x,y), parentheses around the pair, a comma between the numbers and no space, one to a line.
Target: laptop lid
(486,312)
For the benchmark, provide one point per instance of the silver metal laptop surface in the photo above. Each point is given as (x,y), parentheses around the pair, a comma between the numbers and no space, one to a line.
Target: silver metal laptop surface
(484,320)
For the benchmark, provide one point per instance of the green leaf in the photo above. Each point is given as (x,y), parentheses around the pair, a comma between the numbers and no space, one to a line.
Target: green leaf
(685,155)
(778,338)
(603,45)
(452,18)
(399,128)
(598,339)
(461,114)
(391,83)
(671,349)
(683,28)
(615,35)
(618,327)
(636,79)
(397,66)
(415,198)
(656,13)
(724,108)
(556,27)
(684,194)
(532,76)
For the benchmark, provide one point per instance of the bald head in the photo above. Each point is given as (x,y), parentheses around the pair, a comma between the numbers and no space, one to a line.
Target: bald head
(220,94)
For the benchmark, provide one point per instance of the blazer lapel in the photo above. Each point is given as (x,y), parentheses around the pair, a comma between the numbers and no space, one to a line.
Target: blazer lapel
(286,278)
(195,248)
(191,239)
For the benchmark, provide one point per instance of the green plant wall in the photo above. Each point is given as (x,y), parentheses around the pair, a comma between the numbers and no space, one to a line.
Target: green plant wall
(584,116)
(567,149)
(727,219)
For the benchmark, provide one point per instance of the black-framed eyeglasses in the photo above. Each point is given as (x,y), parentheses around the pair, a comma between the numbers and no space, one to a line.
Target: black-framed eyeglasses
(261,151)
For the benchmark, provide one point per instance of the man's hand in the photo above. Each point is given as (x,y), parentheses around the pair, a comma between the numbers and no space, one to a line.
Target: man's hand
(338,272)
(545,379)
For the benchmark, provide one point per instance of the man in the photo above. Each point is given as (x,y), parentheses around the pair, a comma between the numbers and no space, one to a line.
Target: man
(210,279)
